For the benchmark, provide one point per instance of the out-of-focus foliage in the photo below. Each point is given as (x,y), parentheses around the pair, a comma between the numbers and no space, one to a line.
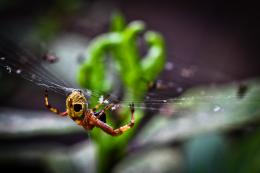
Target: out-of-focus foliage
(21,123)
(161,160)
(119,47)
(204,110)
(218,126)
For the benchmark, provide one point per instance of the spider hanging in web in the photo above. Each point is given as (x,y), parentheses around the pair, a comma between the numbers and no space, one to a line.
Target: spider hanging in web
(18,61)
(77,109)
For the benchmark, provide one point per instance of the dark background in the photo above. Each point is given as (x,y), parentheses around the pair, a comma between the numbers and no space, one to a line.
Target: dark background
(219,39)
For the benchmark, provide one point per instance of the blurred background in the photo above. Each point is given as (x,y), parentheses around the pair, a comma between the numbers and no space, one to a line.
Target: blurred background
(210,122)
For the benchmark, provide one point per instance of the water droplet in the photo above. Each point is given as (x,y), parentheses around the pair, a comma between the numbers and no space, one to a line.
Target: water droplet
(88,93)
(101,99)
(217,108)
(9,69)
(2,58)
(188,72)
(33,76)
(179,89)
(115,107)
(18,71)
(169,66)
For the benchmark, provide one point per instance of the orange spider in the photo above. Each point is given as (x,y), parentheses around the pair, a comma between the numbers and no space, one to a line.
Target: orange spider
(78,111)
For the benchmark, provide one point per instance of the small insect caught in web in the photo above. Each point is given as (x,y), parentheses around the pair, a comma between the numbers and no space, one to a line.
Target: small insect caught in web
(51,58)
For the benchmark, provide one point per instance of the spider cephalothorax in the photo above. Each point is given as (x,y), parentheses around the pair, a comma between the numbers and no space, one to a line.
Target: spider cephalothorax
(76,105)
(77,109)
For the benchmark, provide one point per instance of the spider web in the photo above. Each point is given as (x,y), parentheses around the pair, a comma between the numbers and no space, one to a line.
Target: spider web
(186,76)
(20,62)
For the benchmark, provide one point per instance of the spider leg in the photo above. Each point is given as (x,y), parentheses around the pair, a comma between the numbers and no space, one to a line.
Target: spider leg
(102,112)
(115,132)
(52,109)
(101,117)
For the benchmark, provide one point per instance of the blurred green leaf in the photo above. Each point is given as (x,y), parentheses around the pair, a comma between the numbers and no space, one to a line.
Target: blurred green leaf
(163,160)
(120,48)
(217,125)
(206,153)
(22,124)
(204,110)
(244,153)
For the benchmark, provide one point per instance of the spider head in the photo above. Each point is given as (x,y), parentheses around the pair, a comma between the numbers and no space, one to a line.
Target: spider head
(76,105)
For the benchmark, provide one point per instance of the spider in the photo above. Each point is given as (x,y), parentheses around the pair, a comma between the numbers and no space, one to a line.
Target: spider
(78,111)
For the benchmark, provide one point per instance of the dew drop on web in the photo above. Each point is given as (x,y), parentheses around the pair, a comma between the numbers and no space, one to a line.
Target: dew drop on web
(179,89)
(101,99)
(18,71)
(216,108)
(169,66)
(9,70)
(33,76)
(116,106)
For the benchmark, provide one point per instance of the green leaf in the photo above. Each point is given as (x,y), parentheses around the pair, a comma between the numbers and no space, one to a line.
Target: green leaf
(204,110)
